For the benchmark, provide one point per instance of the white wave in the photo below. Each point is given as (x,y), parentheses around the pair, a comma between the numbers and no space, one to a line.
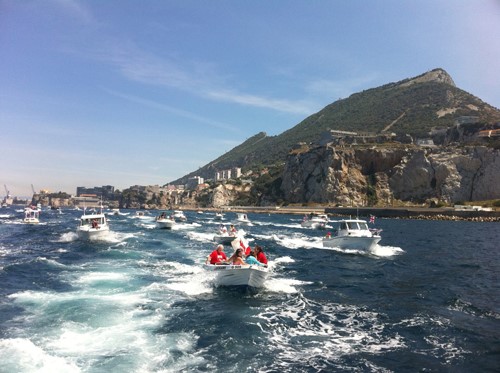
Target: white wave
(297,240)
(283,259)
(283,225)
(185,278)
(22,355)
(284,285)
(50,262)
(114,237)
(184,226)
(200,236)
(5,216)
(94,277)
(386,251)
(148,226)
(68,237)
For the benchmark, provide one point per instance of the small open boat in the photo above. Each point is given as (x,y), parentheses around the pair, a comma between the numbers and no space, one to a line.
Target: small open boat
(239,275)
(315,221)
(224,239)
(165,222)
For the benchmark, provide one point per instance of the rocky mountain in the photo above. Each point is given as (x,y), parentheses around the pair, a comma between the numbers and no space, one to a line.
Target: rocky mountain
(428,106)
(380,176)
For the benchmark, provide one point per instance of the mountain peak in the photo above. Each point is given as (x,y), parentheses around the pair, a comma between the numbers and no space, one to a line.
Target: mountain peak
(436,75)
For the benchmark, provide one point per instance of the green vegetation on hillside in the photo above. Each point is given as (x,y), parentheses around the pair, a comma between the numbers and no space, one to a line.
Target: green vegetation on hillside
(412,106)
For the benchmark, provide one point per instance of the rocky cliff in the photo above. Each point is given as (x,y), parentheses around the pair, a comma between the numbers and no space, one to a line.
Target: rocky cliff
(379,176)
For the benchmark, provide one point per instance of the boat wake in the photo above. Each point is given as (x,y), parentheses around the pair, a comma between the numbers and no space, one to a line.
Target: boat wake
(68,237)
(302,331)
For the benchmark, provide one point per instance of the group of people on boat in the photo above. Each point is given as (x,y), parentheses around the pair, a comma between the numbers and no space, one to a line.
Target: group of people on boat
(232,230)
(164,216)
(240,256)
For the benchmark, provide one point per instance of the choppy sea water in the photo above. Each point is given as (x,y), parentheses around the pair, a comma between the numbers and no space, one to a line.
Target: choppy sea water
(426,299)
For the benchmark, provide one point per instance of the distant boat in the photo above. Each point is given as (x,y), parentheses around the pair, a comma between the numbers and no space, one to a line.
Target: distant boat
(242,218)
(93,226)
(165,222)
(179,215)
(31,216)
(142,215)
(315,221)
(353,234)
(114,212)
(219,216)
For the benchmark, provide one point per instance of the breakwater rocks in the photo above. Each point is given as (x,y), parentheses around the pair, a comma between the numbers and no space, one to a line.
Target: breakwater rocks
(481,219)
(418,213)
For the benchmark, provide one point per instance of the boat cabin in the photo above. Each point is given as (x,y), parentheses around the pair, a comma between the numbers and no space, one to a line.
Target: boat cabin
(92,220)
(357,228)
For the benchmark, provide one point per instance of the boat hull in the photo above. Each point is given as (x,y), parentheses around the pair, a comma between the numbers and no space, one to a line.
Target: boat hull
(351,242)
(86,233)
(165,223)
(225,240)
(92,227)
(313,224)
(229,275)
(31,221)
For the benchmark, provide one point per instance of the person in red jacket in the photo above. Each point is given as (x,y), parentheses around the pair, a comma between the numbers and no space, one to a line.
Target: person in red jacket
(217,256)
(261,257)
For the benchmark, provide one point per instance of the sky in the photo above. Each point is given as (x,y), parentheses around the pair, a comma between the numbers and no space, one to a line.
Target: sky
(126,92)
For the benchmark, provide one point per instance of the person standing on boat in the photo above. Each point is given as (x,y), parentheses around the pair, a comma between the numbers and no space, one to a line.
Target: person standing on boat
(217,256)
(232,230)
(261,257)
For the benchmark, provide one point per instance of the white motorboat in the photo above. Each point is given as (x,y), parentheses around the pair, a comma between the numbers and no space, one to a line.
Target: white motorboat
(165,222)
(219,216)
(315,221)
(179,215)
(224,239)
(242,218)
(239,275)
(114,212)
(31,216)
(142,215)
(93,226)
(353,234)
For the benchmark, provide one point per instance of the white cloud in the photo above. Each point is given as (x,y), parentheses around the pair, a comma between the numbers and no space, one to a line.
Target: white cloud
(173,110)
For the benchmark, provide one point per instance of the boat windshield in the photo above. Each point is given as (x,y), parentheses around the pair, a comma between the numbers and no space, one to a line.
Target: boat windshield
(352,225)
(363,226)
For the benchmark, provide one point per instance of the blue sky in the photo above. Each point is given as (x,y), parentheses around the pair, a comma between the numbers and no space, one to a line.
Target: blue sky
(143,92)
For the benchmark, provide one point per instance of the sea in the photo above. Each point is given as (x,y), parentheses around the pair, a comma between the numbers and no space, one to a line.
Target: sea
(426,299)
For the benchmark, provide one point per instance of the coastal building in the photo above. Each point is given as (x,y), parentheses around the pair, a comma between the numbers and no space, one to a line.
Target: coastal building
(104,192)
(193,182)
(233,173)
